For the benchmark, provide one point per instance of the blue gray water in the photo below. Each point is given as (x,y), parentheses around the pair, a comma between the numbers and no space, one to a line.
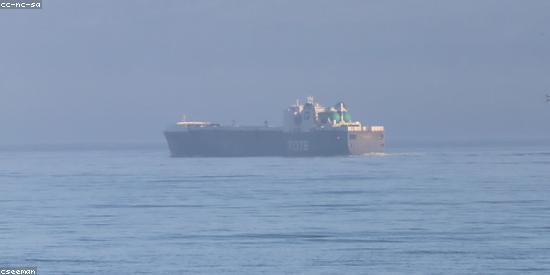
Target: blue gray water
(415,210)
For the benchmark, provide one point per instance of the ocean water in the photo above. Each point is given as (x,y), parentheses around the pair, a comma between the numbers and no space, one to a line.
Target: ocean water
(471,209)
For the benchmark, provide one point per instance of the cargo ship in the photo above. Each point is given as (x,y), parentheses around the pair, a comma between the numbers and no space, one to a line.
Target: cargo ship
(308,129)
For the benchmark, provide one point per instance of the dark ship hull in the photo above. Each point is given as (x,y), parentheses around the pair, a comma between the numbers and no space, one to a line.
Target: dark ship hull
(263,141)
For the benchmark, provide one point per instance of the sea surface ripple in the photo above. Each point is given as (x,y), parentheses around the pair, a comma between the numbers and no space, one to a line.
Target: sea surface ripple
(451,210)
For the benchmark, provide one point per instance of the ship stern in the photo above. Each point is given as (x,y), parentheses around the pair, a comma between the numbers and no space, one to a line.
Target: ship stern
(368,140)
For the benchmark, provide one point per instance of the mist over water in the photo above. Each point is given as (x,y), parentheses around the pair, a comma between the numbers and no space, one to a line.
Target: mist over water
(104,71)
(87,185)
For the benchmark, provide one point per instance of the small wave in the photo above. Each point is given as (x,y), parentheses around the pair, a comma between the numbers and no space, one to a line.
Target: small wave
(509,201)
(437,252)
(526,154)
(204,178)
(384,154)
(63,260)
(146,206)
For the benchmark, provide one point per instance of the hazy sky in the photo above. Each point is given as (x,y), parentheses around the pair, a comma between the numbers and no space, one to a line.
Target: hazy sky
(86,71)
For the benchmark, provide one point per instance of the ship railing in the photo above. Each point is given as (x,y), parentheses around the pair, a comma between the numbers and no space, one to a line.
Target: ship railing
(377,128)
(359,128)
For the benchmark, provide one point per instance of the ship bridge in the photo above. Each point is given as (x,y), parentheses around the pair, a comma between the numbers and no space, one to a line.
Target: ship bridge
(313,116)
